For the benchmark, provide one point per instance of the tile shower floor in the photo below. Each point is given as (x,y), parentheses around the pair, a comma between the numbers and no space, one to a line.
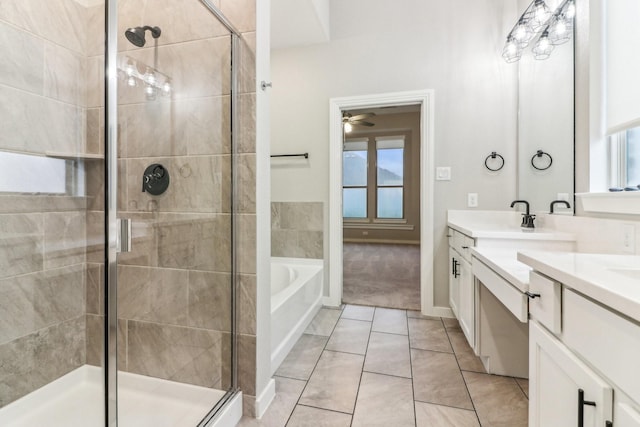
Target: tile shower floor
(366,366)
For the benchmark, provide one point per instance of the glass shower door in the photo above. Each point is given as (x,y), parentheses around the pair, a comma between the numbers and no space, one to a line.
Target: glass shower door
(174,162)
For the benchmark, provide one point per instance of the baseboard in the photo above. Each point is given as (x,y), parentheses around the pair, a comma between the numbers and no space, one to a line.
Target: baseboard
(331,302)
(264,399)
(387,241)
(439,312)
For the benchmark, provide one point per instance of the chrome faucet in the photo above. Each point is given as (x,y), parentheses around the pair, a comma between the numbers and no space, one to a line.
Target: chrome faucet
(527,218)
(556,202)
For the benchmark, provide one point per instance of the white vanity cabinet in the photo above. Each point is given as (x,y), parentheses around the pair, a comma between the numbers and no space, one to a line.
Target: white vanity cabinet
(562,389)
(461,284)
(584,359)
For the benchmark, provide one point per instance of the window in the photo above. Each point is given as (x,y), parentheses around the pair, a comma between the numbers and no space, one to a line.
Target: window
(373,178)
(390,177)
(625,158)
(354,179)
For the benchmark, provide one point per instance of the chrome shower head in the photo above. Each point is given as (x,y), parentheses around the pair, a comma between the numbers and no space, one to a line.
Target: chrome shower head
(136,35)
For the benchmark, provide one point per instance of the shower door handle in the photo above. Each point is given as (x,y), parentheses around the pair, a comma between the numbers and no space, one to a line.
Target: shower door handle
(124,234)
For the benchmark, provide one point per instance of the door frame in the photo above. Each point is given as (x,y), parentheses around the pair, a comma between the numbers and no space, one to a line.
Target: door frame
(424,98)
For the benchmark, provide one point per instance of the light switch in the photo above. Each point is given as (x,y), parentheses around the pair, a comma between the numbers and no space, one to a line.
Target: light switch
(443,173)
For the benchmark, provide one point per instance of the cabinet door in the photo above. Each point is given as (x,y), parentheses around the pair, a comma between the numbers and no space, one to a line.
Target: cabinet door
(466,306)
(559,382)
(454,287)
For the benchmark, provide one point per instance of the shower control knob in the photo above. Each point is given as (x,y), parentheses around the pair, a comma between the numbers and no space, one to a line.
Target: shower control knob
(155,179)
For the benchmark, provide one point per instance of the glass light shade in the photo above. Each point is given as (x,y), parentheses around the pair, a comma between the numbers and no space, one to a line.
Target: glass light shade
(511,52)
(131,81)
(166,88)
(570,10)
(130,69)
(149,77)
(522,33)
(543,47)
(150,92)
(540,14)
(560,30)
(347,127)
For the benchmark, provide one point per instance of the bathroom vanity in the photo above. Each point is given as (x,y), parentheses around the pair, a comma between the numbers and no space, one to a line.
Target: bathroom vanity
(488,286)
(568,321)
(584,339)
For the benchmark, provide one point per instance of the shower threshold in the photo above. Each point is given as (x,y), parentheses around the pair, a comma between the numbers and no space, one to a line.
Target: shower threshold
(76,400)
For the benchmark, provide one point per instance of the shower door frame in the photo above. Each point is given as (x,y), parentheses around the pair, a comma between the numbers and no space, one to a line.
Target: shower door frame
(111,229)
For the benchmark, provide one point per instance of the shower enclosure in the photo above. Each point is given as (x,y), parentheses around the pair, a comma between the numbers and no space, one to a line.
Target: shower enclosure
(117,212)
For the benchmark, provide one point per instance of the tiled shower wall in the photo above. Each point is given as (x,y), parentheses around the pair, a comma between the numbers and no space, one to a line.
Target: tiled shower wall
(42,237)
(297,229)
(174,296)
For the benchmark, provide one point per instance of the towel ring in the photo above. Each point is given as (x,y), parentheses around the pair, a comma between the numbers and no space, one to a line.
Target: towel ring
(493,155)
(541,153)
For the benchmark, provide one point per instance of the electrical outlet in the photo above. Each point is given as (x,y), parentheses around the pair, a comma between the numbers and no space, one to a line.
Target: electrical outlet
(629,238)
(472,200)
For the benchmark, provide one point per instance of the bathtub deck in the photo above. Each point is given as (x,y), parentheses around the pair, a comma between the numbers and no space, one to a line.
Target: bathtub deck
(76,400)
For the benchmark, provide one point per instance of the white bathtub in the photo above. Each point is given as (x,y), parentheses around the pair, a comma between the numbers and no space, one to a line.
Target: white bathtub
(296,297)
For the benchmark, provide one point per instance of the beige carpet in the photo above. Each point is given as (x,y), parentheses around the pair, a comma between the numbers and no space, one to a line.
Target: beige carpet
(382,275)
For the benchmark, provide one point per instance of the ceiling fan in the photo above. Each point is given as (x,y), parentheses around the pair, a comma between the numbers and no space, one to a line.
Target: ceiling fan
(349,120)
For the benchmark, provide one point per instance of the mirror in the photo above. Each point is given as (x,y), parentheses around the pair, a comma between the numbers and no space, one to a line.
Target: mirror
(546,125)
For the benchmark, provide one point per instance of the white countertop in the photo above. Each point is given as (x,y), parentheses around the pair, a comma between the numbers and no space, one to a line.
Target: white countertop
(505,263)
(499,225)
(612,280)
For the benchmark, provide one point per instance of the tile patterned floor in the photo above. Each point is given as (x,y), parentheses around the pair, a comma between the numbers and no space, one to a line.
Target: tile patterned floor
(367,366)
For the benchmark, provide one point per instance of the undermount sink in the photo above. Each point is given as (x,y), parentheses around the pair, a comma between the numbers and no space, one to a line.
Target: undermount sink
(632,273)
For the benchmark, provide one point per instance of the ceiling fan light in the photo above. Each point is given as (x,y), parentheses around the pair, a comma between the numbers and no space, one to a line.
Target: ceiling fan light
(348,127)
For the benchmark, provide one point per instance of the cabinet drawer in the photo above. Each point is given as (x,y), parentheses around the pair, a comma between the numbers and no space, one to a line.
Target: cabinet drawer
(609,342)
(508,295)
(461,243)
(547,307)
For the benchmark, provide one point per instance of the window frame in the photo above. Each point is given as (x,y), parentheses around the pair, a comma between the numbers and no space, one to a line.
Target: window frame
(618,159)
(365,187)
(372,177)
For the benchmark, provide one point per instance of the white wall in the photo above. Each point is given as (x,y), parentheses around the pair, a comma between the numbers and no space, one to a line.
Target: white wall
(453,47)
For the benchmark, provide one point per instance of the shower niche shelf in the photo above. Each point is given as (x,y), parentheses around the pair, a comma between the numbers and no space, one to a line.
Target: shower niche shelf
(73,156)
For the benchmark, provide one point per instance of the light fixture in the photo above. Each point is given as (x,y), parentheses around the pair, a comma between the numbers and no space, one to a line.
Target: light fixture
(543,46)
(522,33)
(348,127)
(539,15)
(555,28)
(153,81)
(512,51)
(561,24)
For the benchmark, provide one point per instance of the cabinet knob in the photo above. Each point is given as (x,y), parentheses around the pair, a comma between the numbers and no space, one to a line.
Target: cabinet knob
(465,247)
(532,295)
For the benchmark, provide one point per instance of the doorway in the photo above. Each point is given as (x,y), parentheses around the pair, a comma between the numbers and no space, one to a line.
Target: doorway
(424,99)
(381,207)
